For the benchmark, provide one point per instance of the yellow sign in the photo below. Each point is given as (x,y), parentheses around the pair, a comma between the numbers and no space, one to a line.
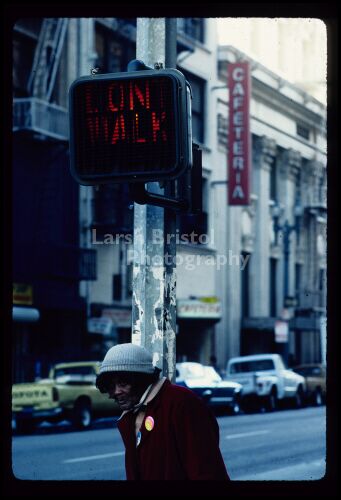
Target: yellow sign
(209,300)
(198,308)
(22,294)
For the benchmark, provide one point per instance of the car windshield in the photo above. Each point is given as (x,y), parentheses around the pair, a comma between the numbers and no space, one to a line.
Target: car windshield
(307,371)
(252,366)
(74,370)
(193,370)
(211,374)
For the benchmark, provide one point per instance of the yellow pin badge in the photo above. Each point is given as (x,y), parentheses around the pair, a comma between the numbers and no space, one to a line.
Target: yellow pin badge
(149,423)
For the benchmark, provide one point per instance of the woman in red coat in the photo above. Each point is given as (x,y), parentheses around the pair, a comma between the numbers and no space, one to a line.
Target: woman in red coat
(168,431)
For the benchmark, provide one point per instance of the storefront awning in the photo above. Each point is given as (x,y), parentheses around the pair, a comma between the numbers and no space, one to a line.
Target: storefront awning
(25,314)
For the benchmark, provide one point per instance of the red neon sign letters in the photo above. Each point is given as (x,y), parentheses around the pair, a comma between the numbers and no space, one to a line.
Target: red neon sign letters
(124,127)
(239,144)
(124,113)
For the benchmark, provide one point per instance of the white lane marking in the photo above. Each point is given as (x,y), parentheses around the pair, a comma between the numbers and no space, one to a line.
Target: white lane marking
(93,457)
(246,434)
(305,471)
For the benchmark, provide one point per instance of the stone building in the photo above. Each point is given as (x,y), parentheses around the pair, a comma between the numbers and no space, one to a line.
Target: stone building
(73,284)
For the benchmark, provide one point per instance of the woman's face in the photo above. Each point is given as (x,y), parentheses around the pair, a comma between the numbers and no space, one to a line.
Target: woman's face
(123,393)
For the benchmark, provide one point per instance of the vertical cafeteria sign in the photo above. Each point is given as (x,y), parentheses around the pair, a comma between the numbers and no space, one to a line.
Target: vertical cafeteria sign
(239,144)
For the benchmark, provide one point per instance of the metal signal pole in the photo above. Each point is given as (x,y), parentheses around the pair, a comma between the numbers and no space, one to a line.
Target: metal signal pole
(154,274)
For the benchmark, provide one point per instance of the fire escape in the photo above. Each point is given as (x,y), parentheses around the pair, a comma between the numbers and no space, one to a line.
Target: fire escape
(39,118)
(36,113)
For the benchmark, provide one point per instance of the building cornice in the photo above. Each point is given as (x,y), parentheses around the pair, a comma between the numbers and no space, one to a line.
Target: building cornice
(273,92)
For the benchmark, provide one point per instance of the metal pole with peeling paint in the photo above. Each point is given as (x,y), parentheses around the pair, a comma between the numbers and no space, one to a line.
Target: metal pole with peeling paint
(154,272)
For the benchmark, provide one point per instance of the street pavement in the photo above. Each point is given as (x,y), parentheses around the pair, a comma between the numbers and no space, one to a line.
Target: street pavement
(284,445)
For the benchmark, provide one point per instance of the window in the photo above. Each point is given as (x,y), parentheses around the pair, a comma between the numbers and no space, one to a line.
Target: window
(252,366)
(322,190)
(113,54)
(129,277)
(322,288)
(192,27)
(74,370)
(23,53)
(198,94)
(309,371)
(193,370)
(117,286)
(298,277)
(272,287)
(273,181)
(222,127)
(302,131)
(245,287)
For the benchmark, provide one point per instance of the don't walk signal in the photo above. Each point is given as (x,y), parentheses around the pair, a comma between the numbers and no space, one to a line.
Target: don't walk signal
(130,127)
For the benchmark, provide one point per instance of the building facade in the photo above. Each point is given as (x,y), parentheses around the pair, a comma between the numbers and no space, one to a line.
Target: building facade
(282,234)
(48,260)
(72,259)
(297,52)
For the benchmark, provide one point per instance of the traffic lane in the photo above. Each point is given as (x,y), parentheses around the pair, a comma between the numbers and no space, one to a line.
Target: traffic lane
(86,455)
(281,445)
(65,426)
(262,444)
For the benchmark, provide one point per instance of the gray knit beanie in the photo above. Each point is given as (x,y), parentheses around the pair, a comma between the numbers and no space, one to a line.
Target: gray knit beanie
(127,358)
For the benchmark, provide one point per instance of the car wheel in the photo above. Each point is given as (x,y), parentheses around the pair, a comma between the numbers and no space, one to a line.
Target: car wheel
(317,397)
(271,402)
(24,426)
(235,408)
(298,400)
(82,416)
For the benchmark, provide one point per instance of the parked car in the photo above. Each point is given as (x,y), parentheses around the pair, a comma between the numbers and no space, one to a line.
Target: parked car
(315,378)
(69,393)
(208,384)
(266,381)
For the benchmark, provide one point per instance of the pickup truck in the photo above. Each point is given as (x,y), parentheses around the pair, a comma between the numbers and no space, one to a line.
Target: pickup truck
(69,393)
(265,380)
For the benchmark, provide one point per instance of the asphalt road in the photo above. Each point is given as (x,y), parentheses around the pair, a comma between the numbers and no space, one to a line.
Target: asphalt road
(284,445)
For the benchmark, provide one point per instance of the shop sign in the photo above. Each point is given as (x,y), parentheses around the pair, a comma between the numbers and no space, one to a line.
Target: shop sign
(22,294)
(203,308)
(290,301)
(121,318)
(100,325)
(239,137)
(281,331)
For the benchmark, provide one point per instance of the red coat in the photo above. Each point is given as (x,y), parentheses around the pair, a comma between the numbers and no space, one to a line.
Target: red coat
(183,444)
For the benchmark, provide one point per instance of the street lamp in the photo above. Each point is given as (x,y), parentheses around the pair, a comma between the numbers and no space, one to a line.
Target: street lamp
(286,228)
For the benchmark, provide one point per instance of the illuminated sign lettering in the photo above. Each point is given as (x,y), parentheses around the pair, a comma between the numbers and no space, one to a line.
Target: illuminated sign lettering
(129,127)
(239,143)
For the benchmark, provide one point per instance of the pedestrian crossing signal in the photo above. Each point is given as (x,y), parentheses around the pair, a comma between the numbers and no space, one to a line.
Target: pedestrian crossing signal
(130,127)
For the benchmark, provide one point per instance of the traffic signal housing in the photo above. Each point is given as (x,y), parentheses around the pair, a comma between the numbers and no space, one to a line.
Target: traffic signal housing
(130,127)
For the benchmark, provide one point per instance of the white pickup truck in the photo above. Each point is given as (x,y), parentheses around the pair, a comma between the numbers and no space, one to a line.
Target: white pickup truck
(265,380)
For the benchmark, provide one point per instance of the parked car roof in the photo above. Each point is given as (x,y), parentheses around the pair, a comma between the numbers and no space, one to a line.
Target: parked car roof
(255,357)
(308,369)
(67,364)
(198,375)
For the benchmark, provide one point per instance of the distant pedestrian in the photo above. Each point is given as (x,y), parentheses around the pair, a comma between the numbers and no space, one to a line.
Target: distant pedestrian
(168,432)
